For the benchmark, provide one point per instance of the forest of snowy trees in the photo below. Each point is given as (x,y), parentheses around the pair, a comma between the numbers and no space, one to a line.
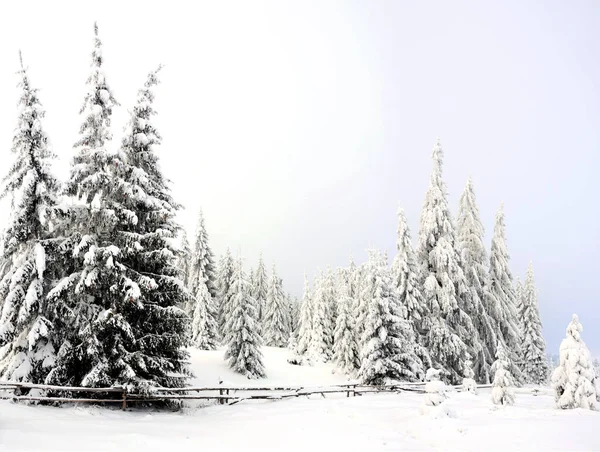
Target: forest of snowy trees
(101,286)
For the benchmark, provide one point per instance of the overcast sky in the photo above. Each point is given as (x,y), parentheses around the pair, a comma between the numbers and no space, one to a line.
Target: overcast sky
(299,127)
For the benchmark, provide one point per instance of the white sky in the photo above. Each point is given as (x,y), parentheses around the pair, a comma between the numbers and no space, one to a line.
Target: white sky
(299,126)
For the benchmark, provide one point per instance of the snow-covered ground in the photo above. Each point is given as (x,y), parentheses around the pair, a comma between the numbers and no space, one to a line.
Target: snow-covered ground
(369,423)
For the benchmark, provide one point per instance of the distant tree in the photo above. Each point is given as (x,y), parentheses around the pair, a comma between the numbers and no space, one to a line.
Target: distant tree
(260,288)
(305,329)
(473,256)
(27,348)
(574,380)
(535,363)
(322,328)
(502,386)
(184,258)
(276,319)
(243,347)
(345,348)
(205,329)
(202,261)
(224,282)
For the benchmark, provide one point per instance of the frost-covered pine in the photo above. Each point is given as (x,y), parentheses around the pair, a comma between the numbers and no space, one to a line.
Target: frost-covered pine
(119,299)
(503,384)
(362,294)
(305,328)
(345,348)
(574,379)
(451,335)
(244,342)
(473,255)
(294,314)
(519,295)
(329,293)
(321,345)
(276,320)
(260,288)
(205,330)
(500,299)
(435,389)
(468,383)
(27,345)
(388,341)
(535,363)
(224,281)
(202,260)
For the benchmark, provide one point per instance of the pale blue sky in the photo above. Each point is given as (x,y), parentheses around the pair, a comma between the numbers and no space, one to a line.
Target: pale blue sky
(300,126)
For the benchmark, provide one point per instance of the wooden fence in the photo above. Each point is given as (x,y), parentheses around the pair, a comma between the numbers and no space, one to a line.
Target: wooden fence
(222,394)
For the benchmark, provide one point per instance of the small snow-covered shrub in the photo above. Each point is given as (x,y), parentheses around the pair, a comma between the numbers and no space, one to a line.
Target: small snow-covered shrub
(435,389)
(574,380)
(502,387)
(468,384)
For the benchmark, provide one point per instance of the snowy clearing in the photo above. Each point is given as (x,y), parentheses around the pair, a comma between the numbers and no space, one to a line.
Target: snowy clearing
(372,422)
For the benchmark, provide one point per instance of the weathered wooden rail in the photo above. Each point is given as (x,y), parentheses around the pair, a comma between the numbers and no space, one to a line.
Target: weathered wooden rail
(226,394)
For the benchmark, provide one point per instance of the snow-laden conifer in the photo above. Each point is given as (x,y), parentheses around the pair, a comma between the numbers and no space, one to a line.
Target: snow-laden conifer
(261,286)
(451,335)
(499,297)
(276,319)
(469,237)
(305,328)
(184,258)
(574,380)
(321,345)
(244,342)
(435,389)
(27,346)
(388,340)
(468,383)
(535,363)
(202,260)
(224,281)
(205,330)
(503,384)
(330,296)
(345,348)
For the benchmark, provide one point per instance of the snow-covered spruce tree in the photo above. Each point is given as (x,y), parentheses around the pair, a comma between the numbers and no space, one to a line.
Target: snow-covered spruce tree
(260,288)
(184,258)
(388,340)
(519,294)
(243,347)
(502,386)
(205,330)
(345,348)
(330,295)
(574,379)
(294,314)
(202,260)
(535,363)
(276,320)
(224,281)
(470,233)
(27,347)
(305,328)
(405,281)
(500,300)
(118,300)
(451,335)
(321,345)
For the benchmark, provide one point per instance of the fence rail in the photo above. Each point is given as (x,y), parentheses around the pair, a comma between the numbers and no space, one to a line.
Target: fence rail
(226,394)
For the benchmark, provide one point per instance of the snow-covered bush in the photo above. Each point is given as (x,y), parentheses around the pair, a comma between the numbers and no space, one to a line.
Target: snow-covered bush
(502,386)
(574,380)
(435,389)
(468,383)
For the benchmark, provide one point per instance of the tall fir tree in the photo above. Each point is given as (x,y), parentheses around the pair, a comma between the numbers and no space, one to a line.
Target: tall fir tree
(330,294)
(202,260)
(500,300)
(470,233)
(305,328)
(120,294)
(224,281)
(205,329)
(535,363)
(243,347)
(388,339)
(260,287)
(451,336)
(184,258)
(27,347)
(276,319)
(322,327)
(345,348)
(519,298)
(405,280)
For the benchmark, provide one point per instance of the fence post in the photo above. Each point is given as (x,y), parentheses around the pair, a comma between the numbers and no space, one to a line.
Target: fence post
(124,405)
(221,401)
